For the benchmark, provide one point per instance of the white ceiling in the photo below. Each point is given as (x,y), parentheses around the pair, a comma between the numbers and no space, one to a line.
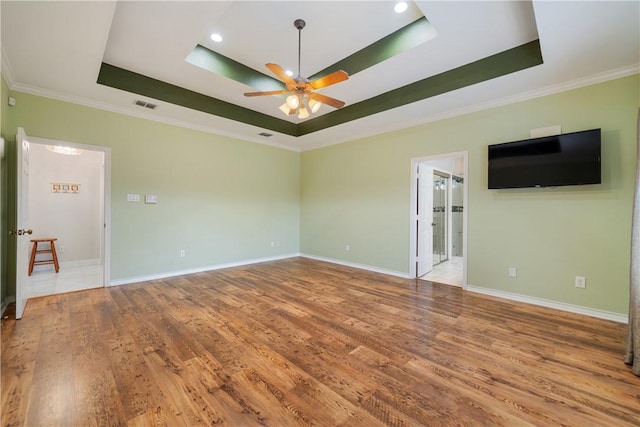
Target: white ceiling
(55,49)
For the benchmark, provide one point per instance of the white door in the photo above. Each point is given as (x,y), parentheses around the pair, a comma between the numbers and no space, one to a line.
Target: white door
(22,225)
(425,220)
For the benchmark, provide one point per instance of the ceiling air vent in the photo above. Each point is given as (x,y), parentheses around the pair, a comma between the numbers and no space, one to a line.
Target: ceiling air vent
(145,104)
(266,135)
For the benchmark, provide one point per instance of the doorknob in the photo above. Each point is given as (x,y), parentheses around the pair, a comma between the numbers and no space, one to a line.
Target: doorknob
(20,232)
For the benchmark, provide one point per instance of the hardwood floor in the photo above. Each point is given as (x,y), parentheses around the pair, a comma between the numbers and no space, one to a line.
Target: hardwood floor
(302,342)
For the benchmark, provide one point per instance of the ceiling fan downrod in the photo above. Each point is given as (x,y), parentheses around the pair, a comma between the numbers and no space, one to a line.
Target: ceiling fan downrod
(299,24)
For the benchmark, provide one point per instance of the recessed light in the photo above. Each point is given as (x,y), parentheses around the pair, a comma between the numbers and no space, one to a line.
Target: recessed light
(400,7)
(216,37)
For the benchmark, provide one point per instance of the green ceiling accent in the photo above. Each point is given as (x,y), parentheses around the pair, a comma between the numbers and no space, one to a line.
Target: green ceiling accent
(503,63)
(129,81)
(219,64)
(412,35)
(406,38)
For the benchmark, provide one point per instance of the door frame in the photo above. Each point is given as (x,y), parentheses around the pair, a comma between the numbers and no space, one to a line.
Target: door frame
(413,206)
(106,243)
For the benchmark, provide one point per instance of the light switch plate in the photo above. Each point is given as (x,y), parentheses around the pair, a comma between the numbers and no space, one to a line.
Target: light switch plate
(133,197)
(151,198)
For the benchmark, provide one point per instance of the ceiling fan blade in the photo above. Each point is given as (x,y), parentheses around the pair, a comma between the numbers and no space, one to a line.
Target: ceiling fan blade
(331,79)
(271,92)
(281,73)
(335,103)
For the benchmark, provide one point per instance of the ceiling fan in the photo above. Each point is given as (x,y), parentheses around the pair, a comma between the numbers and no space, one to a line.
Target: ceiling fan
(300,89)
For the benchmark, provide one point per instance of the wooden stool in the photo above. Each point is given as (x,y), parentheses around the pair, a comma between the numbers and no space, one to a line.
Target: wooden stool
(51,250)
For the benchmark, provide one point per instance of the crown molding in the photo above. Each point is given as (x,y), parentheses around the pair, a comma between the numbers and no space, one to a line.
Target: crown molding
(501,102)
(7,73)
(58,96)
(5,68)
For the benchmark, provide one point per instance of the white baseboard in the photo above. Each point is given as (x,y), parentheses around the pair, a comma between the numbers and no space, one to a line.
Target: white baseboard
(360,266)
(137,279)
(5,303)
(593,312)
(601,314)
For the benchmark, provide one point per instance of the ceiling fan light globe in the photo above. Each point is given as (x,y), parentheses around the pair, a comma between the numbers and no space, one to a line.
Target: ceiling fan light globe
(314,105)
(286,109)
(293,102)
(304,113)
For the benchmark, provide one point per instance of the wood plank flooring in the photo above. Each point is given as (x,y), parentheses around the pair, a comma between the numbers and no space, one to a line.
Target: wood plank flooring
(302,342)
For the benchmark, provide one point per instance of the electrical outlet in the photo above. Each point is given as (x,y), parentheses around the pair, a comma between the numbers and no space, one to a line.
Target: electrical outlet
(61,249)
(513,272)
(273,244)
(347,248)
(182,253)
(581,282)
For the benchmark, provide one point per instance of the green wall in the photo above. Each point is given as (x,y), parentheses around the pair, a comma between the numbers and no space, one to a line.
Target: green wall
(221,200)
(358,193)
(224,200)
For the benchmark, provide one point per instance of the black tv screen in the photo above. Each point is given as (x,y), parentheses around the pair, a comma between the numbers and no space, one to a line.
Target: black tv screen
(550,161)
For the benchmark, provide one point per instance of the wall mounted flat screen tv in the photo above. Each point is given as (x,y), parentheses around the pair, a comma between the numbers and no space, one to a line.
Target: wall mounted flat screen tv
(550,161)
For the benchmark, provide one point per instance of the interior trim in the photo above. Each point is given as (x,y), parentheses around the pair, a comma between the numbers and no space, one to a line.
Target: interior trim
(503,63)
(524,96)
(137,279)
(571,308)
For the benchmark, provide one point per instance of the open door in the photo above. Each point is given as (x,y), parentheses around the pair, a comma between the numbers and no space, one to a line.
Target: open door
(424,262)
(22,231)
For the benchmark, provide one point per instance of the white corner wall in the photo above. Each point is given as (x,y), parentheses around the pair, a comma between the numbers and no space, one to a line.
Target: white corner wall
(75,219)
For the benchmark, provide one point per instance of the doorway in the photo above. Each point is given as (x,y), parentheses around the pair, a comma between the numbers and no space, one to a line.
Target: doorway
(67,198)
(440,224)
(438,218)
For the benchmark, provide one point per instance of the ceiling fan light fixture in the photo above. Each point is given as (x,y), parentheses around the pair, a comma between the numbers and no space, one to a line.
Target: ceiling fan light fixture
(287,110)
(304,113)
(293,102)
(314,105)
(301,98)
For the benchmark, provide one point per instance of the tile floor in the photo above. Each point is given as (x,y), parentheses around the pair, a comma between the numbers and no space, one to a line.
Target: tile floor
(45,281)
(448,272)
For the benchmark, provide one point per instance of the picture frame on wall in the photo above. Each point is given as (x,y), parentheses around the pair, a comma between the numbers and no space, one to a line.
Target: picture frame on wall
(63,187)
